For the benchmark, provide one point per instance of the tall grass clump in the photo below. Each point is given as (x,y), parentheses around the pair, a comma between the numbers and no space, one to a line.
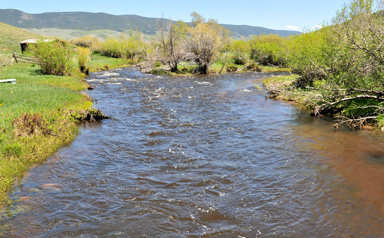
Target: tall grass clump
(54,57)
(83,56)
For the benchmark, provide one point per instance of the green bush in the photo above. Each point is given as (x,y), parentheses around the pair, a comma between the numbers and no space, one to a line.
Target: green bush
(269,50)
(240,59)
(310,55)
(126,46)
(54,57)
(13,150)
(158,71)
(85,41)
(83,56)
(232,68)
(254,67)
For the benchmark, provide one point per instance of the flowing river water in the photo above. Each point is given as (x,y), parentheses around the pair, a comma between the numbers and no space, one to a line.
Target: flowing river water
(202,157)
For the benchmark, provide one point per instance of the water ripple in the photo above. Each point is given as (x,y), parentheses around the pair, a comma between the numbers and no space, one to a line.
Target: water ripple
(201,157)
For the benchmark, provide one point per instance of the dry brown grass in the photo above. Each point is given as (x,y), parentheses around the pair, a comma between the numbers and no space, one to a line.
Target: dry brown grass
(29,125)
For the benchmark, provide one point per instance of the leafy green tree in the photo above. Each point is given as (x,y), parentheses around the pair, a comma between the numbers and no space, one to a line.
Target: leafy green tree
(203,42)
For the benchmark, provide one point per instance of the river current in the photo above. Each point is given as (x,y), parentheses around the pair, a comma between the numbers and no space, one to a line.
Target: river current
(202,157)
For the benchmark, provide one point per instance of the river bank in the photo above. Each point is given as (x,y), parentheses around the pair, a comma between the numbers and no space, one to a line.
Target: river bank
(312,100)
(39,115)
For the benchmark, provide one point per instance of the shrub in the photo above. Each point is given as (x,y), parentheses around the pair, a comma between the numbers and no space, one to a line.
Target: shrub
(239,59)
(240,47)
(269,50)
(83,56)
(254,67)
(158,71)
(310,55)
(129,46)
(13,150)
(85,41)
(232,68)
(54,58)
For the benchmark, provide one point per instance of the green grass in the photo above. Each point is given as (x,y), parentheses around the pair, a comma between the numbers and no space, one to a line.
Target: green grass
(50,97)
(70,34)
(274,69)
(286,92)
(280,80)
(30,74)
(99,63)
(35,113)
(12,36)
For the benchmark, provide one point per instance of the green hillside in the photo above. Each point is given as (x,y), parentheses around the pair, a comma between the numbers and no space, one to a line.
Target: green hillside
(11,36)
(102,21)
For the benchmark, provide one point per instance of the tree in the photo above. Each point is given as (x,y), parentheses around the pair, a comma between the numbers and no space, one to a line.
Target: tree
(203,42)
(359,30)
(169,43)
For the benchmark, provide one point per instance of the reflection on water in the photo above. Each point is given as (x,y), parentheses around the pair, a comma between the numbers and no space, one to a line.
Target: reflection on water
(202,157)
(357,156)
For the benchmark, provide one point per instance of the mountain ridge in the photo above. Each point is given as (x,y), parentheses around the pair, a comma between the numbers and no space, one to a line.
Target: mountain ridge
(96,21)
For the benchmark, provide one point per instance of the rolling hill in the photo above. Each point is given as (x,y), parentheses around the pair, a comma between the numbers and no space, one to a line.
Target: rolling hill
(102,21)
(11,36)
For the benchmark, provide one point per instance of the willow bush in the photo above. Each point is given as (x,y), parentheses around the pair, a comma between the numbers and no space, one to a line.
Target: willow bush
(83,56)
(130,46)
(310,55)
(85,41)
(269,50)
(54,57)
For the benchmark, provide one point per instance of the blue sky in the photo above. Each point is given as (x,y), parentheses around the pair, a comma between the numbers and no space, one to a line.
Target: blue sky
(277,14)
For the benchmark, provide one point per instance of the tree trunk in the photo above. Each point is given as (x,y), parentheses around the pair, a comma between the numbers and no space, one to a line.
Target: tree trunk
(174,67)
(203,69)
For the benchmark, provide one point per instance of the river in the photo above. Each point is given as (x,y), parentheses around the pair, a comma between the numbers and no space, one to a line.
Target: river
(202,157)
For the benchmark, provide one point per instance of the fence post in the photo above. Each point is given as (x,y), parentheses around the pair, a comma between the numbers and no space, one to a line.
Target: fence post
(14,56)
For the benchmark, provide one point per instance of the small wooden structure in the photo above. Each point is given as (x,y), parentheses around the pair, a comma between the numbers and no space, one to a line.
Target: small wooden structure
(24,44)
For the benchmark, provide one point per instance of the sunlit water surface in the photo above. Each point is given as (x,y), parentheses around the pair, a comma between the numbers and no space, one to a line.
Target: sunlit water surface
(202,157)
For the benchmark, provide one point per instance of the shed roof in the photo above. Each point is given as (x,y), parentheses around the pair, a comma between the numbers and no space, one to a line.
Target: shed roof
(34,41)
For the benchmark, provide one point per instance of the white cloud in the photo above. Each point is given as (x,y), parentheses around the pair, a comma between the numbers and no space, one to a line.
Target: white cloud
(295,28)
(317,27)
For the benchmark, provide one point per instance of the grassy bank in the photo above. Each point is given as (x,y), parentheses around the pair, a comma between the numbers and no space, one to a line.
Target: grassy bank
(36,112)
(99,63)
(313,99)
(34,119)
(281,88)
(35,115)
